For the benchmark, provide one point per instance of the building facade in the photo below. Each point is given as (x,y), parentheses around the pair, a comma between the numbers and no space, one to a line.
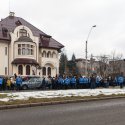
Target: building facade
(111,68)
(26,50)
(92,66)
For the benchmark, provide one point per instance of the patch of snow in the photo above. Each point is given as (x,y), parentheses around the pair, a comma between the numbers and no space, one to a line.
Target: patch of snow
(59,93)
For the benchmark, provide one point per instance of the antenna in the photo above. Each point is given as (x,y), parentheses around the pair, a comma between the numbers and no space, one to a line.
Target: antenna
(11,14)
(9,5)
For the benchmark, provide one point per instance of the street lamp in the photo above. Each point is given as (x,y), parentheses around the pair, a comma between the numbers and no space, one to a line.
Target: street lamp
(86,50)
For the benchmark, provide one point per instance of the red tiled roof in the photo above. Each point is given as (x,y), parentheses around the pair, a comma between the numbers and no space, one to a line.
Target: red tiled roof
(10,23)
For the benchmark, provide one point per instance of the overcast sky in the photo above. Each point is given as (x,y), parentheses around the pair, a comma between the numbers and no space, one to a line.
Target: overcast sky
(69,22)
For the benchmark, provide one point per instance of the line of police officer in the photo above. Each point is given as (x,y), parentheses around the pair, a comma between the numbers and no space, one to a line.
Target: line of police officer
(69,82)
(81,82)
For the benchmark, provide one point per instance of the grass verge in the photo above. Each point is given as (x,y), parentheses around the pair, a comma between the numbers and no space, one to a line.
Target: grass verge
(42,100)
(3,96)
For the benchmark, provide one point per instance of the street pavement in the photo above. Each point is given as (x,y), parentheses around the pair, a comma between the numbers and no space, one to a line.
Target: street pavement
(102,112)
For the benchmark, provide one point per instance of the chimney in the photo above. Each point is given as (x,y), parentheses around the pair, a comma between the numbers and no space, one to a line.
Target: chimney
(11,14)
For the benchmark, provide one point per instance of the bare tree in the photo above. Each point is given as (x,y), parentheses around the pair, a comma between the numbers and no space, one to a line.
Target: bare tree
(103,65)
(115,63)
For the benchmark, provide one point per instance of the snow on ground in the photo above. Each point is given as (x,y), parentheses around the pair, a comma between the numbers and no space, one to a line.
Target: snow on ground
(59,93)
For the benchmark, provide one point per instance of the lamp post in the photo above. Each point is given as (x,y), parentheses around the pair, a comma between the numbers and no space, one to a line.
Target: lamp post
(86,50)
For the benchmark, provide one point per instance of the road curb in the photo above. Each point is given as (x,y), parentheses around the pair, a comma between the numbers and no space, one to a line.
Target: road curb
(56,102)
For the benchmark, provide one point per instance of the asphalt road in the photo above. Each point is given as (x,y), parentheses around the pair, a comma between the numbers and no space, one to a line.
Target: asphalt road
(106,112)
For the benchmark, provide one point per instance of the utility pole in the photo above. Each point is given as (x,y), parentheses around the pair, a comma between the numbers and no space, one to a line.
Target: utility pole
(86,51)
(91,62)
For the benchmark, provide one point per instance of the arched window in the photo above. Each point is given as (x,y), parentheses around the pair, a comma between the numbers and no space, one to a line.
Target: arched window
(49,71)
(27,70)
(20,69)
(44,71)
(54,55)
(44,54)
(48,54)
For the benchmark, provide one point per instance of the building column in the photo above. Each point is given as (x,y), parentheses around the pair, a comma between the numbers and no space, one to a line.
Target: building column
(41,72)
(46,71)
(24,69)
(57,70)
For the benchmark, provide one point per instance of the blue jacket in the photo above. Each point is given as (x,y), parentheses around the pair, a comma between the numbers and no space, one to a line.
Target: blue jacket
(86,80)
(81,80)
(73,80)
(60,80)
(1,81)
(18,80)
(67,81)
(120,79)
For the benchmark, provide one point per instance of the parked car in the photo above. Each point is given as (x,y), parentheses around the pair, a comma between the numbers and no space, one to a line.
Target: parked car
(26,78)
(32,83)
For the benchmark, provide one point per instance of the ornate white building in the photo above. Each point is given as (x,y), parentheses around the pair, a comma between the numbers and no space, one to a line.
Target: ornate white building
(26,50)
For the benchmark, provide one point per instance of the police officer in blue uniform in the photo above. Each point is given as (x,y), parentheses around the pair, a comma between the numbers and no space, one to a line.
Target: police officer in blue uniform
(81,82)
(60,82)
(73,82)
(67,82)
(120,81)
(18,82)
(1,83)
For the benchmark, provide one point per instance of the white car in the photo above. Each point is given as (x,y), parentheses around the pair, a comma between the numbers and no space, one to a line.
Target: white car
(32,83)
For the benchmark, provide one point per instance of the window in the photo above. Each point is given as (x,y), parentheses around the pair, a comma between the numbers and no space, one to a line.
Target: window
(20,69)
(18,23)
(5,70)
(48,54)
(54,55)
(27,70)
(49,71)
(4,31)
(23,32)
(5,50)
(44,54)
(44,71)
(25,49)
(19,49)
